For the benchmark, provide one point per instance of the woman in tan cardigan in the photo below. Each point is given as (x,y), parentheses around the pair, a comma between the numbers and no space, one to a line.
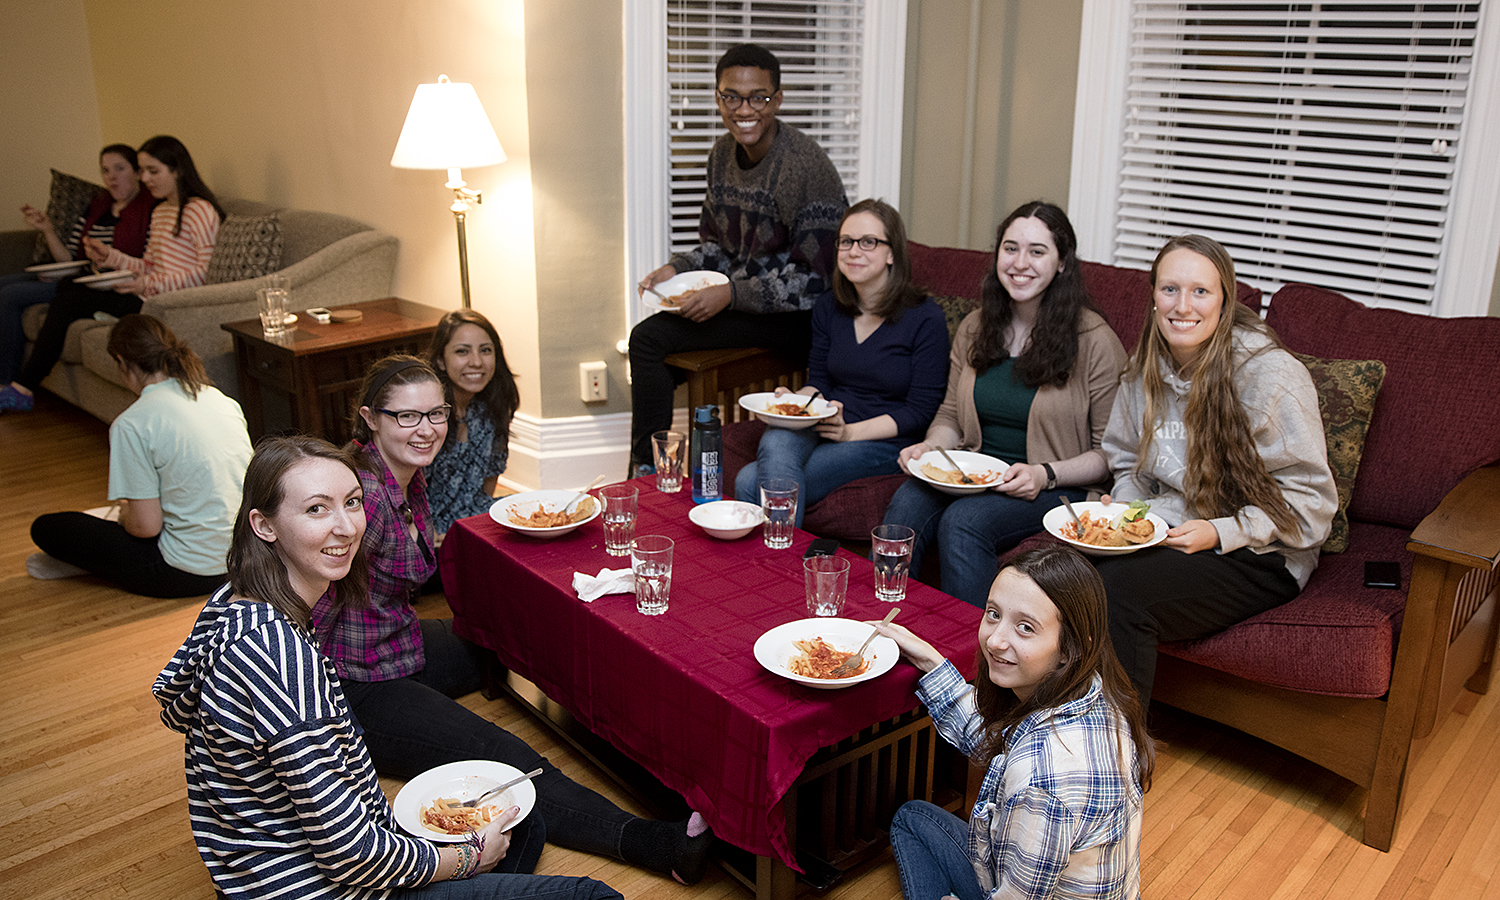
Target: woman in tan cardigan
(1031,379)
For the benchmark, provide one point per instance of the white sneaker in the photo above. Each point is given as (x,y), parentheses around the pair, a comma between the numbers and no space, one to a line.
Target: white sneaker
(49,568)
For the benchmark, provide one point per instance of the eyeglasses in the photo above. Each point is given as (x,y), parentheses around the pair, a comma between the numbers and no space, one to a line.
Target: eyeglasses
(410,418)
(866,243)
(731,100)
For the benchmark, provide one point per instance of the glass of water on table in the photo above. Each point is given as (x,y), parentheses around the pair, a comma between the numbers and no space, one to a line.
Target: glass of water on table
(651,564)
(619,517)
(890,546)
(778,500)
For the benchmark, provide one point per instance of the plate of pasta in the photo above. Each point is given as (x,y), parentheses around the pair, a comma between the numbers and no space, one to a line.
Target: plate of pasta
(543,514)
(426,805)
(801,651)
(670,293)
(984,471)
(1106,531)
(790,411)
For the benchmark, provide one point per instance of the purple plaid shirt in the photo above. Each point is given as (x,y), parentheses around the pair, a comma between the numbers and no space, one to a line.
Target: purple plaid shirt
(383,641)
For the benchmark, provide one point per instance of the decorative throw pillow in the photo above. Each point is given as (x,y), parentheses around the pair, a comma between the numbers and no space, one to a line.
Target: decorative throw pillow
(67,201)
(247,247)
(954,310)
(1346,397)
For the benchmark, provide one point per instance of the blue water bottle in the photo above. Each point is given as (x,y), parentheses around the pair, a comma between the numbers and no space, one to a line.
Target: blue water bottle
(704,454)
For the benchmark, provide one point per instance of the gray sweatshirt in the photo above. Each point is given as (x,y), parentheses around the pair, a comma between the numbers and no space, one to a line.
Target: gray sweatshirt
(1282,405)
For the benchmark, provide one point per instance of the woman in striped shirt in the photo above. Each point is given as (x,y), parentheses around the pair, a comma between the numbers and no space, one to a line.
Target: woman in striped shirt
(282,796)
(184,226)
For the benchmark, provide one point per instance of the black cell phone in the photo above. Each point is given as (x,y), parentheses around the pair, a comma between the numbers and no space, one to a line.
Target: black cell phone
(821,547)
(1381,574)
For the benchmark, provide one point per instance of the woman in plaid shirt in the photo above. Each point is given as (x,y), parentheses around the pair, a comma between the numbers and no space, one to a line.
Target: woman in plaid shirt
(401,674)
(1054,717)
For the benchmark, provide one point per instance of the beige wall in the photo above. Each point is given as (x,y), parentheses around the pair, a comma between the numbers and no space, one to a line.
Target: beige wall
(1025,68)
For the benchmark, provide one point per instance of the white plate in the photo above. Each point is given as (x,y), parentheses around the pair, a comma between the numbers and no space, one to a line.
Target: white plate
(106,280)
(681,283)
(57,268)
(756,404)
(774,648)
(726,520)
(527,503)
(972,463)
(1057,517)
(461,781)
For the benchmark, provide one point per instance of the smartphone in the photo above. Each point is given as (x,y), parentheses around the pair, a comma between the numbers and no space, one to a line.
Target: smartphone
(821,547)
(321,314)
(1382,574)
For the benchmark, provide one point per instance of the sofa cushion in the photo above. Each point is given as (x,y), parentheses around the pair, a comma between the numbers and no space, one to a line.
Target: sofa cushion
(1346,398)
(67,201)
(1435,418)
(247,247)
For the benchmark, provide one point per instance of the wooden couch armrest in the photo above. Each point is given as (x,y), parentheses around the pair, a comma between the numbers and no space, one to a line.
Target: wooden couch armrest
(1465,527)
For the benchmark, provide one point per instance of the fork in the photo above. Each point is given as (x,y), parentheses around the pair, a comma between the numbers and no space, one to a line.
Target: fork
(581,494)
(852,664)
(961,476)
(493,791)
(815,395)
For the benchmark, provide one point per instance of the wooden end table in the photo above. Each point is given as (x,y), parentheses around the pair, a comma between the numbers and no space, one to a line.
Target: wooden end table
(311,372)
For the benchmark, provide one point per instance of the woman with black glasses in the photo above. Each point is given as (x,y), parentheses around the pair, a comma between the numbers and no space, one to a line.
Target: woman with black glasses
(879,354)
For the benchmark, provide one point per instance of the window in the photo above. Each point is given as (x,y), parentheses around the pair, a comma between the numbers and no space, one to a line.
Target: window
(1320,142)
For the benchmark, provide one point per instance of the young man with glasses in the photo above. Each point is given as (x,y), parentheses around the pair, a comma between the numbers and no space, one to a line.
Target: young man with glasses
(770,222)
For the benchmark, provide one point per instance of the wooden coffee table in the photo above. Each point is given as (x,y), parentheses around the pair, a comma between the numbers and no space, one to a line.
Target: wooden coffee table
(304,380)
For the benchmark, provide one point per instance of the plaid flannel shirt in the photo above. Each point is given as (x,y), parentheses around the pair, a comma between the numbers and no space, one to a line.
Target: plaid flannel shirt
(1058,814)
(383,641)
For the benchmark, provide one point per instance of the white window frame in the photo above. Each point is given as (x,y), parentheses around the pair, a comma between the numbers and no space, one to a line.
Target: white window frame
(1471,243)
(647,123)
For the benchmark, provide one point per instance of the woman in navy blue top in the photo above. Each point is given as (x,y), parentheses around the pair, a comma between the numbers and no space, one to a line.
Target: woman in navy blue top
(879,355)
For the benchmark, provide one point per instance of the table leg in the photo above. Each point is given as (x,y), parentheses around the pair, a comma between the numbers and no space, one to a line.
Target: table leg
(250,398)
(307,412)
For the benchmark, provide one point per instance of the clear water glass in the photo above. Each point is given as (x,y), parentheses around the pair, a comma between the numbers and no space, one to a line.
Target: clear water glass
(890,546)
(827,580)
(619,517)
(778,500)
(651,563)
(669,447)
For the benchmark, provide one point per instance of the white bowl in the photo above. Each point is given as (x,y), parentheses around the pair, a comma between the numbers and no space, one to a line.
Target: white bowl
(756,404)
(106,281)
(681,283)
(726,520)
(776,647)
(1057,517)
(527,503)
(972,463)
(464,780)
(58,268)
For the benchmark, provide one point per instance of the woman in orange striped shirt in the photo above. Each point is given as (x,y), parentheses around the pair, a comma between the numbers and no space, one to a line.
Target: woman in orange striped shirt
(184,227)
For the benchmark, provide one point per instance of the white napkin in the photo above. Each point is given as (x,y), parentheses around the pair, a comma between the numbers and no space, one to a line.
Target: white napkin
(608,581)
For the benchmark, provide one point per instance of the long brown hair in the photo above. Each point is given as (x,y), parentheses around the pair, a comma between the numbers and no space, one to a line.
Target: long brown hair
(1052,348)
(385,376)
(146,344)
(256,571)
(501,396)
(173,154)
(1225,473)
(899,294)
(1075,588)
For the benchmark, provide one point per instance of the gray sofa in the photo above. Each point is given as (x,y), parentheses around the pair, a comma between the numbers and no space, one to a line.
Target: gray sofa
(329,260)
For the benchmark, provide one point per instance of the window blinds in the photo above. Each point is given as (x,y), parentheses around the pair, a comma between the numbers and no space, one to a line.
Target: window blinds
(820,49)
(1317,141)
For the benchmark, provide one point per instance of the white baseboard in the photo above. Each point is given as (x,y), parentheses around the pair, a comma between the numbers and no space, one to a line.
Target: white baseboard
(568,453)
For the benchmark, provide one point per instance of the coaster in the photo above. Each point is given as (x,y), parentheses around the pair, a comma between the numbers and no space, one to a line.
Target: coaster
(347,315)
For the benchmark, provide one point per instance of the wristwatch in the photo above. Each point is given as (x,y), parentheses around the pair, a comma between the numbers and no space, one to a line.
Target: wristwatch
(1051,476)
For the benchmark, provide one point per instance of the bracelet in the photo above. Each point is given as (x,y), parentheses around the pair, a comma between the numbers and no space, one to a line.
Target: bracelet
(1051,476)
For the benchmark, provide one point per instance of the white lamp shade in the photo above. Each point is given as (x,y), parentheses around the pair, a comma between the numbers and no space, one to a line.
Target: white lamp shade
(446,128)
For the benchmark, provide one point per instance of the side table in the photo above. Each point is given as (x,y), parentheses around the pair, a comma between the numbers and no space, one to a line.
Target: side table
(309,374)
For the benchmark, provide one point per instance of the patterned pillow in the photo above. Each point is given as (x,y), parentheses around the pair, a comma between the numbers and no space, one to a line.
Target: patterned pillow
(247,247)
(1346,398)
(954,310)
(67,201)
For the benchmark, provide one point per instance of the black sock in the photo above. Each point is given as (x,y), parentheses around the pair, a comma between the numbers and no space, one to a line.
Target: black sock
(666,847)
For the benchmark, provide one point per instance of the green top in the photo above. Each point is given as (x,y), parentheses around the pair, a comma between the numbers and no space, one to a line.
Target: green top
(1004,405)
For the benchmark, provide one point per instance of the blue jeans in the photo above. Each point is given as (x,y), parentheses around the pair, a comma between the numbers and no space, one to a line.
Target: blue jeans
(970,531)
(819,467)
(18,291)
(931,846)
(509,887)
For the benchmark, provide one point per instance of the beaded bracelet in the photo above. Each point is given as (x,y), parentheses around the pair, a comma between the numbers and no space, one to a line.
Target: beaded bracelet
(468,862)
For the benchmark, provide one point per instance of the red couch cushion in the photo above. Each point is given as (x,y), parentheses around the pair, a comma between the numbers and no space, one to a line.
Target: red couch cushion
(1435,419)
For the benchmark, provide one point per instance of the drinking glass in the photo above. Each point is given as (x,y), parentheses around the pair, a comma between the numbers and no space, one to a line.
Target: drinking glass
(651,563)
(619,517)
(668,447)
(272,310)
(827,579)
(778,500)
(891,545)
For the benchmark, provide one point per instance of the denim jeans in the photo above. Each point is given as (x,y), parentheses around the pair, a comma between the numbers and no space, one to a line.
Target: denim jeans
(819,467)
(411,725)
(18,291)
(509,887)
(970,531)
(931,846)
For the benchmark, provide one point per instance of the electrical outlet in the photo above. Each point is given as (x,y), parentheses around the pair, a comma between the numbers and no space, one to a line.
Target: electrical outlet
(593,381)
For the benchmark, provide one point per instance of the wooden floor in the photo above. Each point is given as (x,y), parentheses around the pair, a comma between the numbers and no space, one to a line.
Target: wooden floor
(92,802)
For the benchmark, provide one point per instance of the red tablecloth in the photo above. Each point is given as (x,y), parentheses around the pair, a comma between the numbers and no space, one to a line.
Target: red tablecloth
(681,693)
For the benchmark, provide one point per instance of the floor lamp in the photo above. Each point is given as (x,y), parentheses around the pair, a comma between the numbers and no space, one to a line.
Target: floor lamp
(446,128)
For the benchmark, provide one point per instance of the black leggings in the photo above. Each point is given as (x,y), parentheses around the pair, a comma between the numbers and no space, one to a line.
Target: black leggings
(71,303)
(106,549)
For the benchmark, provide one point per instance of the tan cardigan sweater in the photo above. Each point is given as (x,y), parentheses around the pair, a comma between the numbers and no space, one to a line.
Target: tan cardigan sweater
(1064,421)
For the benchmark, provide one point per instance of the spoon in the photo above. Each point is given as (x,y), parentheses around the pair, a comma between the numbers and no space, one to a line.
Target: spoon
(850,665)
(583,493)
(961,476)
(493,791)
